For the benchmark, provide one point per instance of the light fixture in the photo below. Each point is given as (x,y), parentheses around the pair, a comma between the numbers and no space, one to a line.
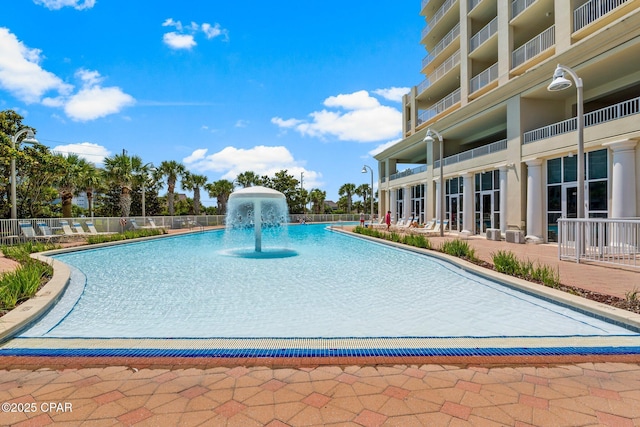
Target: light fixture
(559,81)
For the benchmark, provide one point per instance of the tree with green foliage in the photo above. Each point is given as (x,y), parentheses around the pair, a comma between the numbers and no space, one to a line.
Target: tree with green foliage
(220,190)
(248,179)
(317,198)
(347,190)
(193,182)
(364,191)
(172,170)
(71,179)
(290,187)
(120,172)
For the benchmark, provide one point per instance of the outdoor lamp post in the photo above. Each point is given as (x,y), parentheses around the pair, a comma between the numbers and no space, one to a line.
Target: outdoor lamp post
(364,170)
(559,82)
(30,139)
(427,139)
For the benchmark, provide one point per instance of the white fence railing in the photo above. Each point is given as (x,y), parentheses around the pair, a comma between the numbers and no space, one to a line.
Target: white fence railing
(447,102)
(484,34)
(449,64)
(603,115)
(533,47)
(10,230)
(484,78)
(519,6)
(494,147)
(601,240)
(442,44)
(592,10)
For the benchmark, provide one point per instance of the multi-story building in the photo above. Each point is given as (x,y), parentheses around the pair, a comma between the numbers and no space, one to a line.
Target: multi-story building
(510,144)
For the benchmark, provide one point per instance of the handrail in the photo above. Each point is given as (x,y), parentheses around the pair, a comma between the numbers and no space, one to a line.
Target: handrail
(494,147)
(519,6)
(533,47)
(484,78)
(449,64)
(603,115)
(442,45)
(483,35)
(593,10)
(440,106)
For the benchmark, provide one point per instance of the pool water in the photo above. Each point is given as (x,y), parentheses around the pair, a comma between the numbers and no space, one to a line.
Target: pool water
(335,286)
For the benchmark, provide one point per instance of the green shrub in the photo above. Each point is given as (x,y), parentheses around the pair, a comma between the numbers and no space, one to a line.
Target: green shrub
(417,241)
(21,284)
(459,248)
(507,263)
(129,234)
(22,251)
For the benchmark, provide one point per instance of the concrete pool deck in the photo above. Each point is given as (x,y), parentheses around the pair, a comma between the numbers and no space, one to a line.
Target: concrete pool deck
(592,390)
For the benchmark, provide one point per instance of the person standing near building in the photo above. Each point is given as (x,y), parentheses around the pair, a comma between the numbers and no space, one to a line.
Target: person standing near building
(387,220)
(361,219)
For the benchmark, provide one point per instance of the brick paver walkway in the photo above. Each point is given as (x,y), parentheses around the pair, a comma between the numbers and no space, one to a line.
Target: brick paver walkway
(70,392)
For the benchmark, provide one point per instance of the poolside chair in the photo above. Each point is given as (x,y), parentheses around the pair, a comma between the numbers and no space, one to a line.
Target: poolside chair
(152,223)
(134,224)
(29,232)
(66,228)
(92,229)
(45,231)
(78,227)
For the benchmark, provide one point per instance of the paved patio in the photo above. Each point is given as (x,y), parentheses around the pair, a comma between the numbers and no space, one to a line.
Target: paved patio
(520,392)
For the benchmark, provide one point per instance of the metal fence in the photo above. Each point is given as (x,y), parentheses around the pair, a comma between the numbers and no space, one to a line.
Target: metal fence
(11,233)
(601,240)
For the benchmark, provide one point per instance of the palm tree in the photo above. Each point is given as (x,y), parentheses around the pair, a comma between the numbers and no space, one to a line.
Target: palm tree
(172,170)
(247,179)
(120,172)
(318,197)
(70,180)
(347,190)
(220,190)
(192,182)
(90,180)
(363,191)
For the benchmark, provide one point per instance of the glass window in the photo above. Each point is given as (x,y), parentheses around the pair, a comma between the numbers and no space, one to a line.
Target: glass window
(552,230)
(597,164)
(554,198)
(487,181)
(570,169)
(496,201)
(477,177)
(496,179)
(554,171)
(477,202)
(598,196)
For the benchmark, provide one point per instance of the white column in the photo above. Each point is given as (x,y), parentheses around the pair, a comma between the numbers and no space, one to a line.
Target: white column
(534,201)
(425,187)
(438,188)
(623,179)
(407,202)
(394,195)
(467,194)
(503,200)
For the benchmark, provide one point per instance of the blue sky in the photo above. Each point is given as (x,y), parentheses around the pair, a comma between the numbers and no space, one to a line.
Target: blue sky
(224,87)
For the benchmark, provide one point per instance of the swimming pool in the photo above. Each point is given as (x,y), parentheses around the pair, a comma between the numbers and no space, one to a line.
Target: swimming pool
(337,286)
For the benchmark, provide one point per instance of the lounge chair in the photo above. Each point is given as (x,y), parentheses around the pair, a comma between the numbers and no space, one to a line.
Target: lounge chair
(92,229)
(29,232)
(78,227)
(66,228)
(152,223)
(134,224)
(430,231)
(45,231)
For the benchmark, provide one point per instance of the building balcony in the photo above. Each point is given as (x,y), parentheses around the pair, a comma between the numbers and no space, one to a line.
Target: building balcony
(439,107)
(484,34)
(483,79)
(519,6)
(494,147)
(449,64)
(442,45)
(440,16)
(603,115)
(594,10)
(533,48)
(408,172)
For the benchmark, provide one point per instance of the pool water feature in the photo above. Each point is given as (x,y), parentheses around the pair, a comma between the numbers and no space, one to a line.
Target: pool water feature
(185,287)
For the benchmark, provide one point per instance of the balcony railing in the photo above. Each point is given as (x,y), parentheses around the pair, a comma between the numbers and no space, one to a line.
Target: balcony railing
(484,34)
(445,103)
(593,10)
(442,44)
(519,6)
(609,241)
(440,13)
(449,64)
(603,115)
(484,78)
(408,172)
(494,147)
(533,47)
(473,4)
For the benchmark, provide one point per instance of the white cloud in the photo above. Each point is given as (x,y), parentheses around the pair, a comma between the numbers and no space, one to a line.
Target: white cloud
(184,36)
(393,93)
(21,73)
(380,148)
(93,153)
(365,120)
(262,160)
(22,76)
(178,41)
(94,101)
(59,4)
(242,123)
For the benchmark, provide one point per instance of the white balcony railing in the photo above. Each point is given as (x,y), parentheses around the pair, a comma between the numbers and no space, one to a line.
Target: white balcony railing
(593,10)
(449,64)
(447,102)
(519,6)
(494,147)
(533,47)
(473,4)
(610,241)
(484,78)
(441,12)
(408,172)
(442,45)
(603,115)
(484,34)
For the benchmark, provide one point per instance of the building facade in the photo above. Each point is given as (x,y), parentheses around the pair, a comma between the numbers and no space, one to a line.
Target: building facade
(510,144)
